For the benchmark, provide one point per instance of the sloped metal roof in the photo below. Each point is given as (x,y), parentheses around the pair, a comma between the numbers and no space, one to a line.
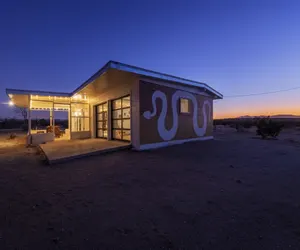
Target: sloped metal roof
(126,68)
(149,73)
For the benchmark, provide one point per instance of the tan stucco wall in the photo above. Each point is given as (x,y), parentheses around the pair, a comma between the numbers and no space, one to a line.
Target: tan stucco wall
(149,127)
(112,85)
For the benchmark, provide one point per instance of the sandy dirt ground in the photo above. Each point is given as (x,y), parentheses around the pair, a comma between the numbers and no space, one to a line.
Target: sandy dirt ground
(236,192)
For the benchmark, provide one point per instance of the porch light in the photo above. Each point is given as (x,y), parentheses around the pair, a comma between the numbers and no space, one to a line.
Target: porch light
(10,103)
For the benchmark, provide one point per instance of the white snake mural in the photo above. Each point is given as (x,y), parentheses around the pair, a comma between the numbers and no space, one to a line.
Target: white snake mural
(166,134)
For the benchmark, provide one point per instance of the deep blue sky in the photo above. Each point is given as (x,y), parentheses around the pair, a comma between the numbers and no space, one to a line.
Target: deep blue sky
(237,47)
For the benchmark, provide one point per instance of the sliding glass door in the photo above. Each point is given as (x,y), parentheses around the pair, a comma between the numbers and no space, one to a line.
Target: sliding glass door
(121,119)
(101,120)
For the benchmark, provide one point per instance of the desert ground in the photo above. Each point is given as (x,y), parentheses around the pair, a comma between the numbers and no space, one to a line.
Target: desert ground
(235,192)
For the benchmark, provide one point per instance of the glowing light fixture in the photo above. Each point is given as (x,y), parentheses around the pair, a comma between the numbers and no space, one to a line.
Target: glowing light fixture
(10,103)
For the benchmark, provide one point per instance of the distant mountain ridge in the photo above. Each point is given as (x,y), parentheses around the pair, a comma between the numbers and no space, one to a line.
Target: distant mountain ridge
(280,116)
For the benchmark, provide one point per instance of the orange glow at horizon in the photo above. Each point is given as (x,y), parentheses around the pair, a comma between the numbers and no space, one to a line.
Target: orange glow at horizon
(219,115)
(268,105)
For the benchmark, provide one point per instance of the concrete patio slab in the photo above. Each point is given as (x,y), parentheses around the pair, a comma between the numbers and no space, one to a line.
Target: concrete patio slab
(65,150)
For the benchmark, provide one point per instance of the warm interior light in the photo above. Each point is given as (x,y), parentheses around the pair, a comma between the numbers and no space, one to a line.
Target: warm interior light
(10,103)
(77,96)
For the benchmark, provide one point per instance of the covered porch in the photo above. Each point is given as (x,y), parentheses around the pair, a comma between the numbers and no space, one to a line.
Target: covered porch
(77,107)
(64,150)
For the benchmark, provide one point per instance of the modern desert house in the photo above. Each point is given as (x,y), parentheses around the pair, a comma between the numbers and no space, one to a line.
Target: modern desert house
(122,102)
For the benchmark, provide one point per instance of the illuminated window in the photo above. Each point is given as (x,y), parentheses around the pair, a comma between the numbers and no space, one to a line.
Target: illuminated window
(80,117)
(121,118)
(184,105)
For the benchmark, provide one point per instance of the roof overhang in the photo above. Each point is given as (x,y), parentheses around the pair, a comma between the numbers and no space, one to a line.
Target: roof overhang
(149,73)
(166,77)
(21,97)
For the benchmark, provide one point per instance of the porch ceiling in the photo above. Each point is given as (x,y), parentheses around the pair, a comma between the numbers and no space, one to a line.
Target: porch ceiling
(21,101)
(44,105)
(40,100)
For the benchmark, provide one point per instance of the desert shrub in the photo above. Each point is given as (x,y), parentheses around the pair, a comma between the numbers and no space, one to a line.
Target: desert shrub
(247,124)
(12,136)
(266,127)
(233,125)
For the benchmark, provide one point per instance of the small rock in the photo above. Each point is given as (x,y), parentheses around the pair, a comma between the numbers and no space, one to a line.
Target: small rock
(231,166)
(55,240)
(238,181)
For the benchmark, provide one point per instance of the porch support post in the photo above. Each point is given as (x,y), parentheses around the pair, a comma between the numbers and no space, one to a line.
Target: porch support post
(29,122)
(70,121)
(51,115)
(53,119)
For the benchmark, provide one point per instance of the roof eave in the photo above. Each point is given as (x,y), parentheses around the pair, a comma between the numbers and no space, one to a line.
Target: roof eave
(162,76)
(126,68)
(36,92)
(93,77)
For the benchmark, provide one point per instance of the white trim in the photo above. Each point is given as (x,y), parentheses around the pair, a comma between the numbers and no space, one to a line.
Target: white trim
(176,86)
(169,143)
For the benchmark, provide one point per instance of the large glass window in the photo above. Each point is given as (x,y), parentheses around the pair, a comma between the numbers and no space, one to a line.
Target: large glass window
(101,112)
(121,119)
(80,117)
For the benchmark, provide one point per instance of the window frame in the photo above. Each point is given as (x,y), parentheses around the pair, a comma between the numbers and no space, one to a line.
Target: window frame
(188,106)
(121,118)
(80,118)
(102,112)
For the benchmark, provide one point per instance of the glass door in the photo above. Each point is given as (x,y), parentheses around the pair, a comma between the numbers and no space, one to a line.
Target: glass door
(101,120)
(121,119)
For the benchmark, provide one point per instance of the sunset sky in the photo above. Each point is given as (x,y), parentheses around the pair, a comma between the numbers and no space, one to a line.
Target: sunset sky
(237,47)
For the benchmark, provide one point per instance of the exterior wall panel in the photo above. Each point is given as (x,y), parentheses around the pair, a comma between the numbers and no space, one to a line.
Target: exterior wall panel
(112,85)
(149,127)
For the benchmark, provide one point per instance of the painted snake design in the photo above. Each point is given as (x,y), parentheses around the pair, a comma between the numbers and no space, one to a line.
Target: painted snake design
(166,134)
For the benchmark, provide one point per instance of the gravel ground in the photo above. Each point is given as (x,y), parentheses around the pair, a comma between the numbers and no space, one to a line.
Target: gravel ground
(236,192)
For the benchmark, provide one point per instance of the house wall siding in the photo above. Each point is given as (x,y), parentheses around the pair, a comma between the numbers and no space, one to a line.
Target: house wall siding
(149,132)
(114,84)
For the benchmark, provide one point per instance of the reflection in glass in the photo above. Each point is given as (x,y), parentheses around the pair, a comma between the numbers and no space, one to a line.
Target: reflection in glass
(126,135)
(126,102)
(117,123)
(126,123)
(117,104)
(117,134)
(126,113)
(117,114)
(100,133)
